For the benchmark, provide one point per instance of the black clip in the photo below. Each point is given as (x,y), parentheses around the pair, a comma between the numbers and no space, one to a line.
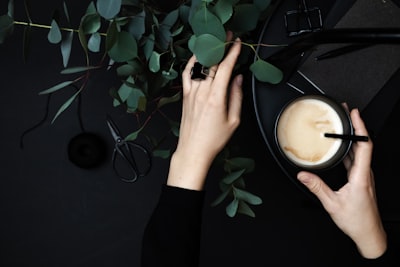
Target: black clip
(303,20)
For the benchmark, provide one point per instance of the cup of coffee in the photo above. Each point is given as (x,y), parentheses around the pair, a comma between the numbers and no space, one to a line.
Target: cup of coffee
(300,132)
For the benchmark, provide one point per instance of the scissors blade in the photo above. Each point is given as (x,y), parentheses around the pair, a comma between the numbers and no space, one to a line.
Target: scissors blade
(113,129)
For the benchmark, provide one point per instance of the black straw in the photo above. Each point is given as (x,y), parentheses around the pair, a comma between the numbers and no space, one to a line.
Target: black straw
(356,138)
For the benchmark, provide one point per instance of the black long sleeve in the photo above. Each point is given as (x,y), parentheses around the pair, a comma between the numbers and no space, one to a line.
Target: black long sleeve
(172,235)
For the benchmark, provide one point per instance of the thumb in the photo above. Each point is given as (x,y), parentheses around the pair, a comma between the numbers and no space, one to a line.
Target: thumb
(316,186)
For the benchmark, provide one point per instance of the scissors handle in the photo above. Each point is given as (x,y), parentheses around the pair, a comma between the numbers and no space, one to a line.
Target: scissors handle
(123,150)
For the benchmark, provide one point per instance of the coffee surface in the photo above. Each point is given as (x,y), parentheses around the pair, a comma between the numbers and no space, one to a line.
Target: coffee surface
(301,130)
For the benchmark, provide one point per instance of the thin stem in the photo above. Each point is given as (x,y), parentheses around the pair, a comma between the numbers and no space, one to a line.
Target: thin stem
(43,26)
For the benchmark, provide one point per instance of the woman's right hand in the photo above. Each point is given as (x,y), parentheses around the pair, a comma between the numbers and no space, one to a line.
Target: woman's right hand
(354,207)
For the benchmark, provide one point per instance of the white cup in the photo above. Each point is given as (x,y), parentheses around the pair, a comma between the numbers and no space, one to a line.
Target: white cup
(300,129)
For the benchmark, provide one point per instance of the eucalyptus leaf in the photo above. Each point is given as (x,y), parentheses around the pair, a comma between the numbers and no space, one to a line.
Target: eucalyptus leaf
(136,100)
(66,12)
(126,89)
(266,72)
(54,36)
(209,50)
(220,198)
(231,177)
(262,4)
(6,27)
(132,136)
(66,104)
(245,209)
(78,69)
(66,47)
(90,23)
(112,33)
(174,127)
(56,87)
(224,10)
(91,9)
(10,9)
(232,208)
(125,70)
(94,42)
(124,48)
(170,75)
(245,18)
(108,9)
(136,25)
(168,100)
(162,153)
(82,39)
(154,63)
(239,163)
(205,22)
(247,196)
(149,46)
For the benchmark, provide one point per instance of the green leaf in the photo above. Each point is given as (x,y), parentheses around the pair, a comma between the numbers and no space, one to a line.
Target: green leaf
(239,163)
(56,87)
(154,63)
(233,176)
(162,153)
(247,196)
(262,4)
(132,136)
(136,100)
(82,39)
(6,27)
(170,19)
(91,9)
(266,72)
(136,25)
(126,88)
(245,18)
(174,127)
(245,209)
(170,75)
(209,50)
(108,9)
(78,69)
(112,34)
(232,208)
(124,48)
(205,22)
(224,10)
(54,35)
(66,13)
(149,46)
(167,100)
(220,198)
(94,42)
(66,104)
(10,10)
(66,47)
(90,23)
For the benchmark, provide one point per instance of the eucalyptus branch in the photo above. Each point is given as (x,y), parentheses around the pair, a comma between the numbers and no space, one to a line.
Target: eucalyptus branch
(44,26)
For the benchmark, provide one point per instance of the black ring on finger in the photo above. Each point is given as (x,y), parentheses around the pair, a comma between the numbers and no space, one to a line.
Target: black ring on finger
(199,72)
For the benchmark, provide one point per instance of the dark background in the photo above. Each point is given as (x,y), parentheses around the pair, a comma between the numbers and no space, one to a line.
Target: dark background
(54,213)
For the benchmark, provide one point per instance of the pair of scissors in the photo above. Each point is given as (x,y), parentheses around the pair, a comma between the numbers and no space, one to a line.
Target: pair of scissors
(123,155)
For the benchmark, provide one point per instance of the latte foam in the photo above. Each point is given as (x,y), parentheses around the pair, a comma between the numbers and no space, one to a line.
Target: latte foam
(301,129)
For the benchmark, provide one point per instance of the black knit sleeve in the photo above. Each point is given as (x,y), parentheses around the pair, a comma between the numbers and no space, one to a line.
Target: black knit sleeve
(172,235)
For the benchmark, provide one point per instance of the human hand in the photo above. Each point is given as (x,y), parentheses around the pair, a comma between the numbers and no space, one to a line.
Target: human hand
(210,115)
(354,207)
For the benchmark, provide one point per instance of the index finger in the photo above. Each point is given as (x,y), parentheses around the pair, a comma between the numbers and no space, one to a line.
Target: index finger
(225,68)
(362,150)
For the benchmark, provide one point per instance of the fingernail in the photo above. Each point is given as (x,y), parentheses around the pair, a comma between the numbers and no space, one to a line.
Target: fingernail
(239,80)
(237,39)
